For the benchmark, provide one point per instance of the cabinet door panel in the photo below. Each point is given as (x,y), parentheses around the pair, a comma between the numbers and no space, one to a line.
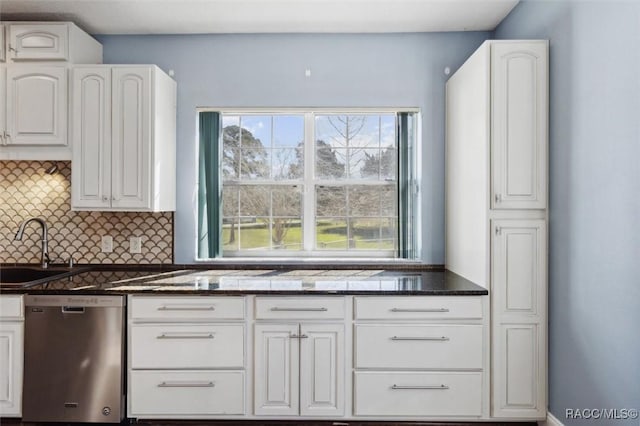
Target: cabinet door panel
(131,137)
(38,41)
(519,125)
(11,368)
(519,267)
(276,369)
(36,106)
(2,50)
(322,370)
(519,283)
(91,136)
(3,103)
(520,378)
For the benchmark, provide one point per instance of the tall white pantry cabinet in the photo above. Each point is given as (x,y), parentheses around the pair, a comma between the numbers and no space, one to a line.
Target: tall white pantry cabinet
(496,209)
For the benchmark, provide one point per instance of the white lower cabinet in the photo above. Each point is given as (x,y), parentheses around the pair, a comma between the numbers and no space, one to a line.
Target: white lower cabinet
(402,358)
(299,369)
(419,357)
(11,355)
(186,357)
(299,356)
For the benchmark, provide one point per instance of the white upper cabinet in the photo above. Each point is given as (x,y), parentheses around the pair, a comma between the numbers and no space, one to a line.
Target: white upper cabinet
(36,106)
(91,130)
(51,41)
(123,133)
(34,96)
(519,125)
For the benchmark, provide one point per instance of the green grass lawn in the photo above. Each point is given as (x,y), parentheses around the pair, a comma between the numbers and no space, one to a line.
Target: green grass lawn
(331,235)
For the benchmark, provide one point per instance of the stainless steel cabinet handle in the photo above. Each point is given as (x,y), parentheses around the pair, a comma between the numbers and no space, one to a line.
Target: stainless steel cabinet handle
(435,387)
(186,308)
(435,339)
(186,385)
(298,336)
(186,336)
(420,310)
(278,309)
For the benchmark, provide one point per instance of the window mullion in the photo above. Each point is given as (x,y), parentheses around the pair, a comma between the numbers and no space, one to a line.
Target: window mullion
(309,211)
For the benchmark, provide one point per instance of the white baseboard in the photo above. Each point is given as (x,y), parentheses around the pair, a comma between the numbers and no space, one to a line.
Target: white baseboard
(551,421)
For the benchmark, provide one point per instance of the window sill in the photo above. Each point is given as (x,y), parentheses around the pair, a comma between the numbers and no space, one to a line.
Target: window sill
(307,263)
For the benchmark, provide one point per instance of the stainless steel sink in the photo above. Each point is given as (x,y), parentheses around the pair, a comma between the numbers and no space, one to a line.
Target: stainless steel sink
(27,276)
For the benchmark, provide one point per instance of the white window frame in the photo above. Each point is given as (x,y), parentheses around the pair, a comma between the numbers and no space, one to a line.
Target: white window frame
(309,183)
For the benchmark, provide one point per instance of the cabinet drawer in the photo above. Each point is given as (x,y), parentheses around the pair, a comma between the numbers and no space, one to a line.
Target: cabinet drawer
(11,307)
(418,346)
(304,307)
(187,346)
(418,394)
(187,307)
(418,307)
(162,393)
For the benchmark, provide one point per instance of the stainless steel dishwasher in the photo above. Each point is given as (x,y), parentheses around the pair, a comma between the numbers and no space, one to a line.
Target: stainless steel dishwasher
(74,358)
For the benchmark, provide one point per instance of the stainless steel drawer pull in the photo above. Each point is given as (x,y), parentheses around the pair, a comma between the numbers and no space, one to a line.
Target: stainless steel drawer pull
(299,336)
(420,310)
(186,385)
(278,309)
(186,308)
(186,336)
(435,387)
(436,339)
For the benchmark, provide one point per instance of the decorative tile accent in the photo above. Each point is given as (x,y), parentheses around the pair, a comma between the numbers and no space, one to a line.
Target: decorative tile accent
(27,191)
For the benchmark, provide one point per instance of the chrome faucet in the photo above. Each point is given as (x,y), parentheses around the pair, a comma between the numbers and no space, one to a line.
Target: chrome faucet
(44,256)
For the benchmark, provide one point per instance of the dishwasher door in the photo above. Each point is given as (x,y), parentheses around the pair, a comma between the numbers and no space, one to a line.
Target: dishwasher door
(74,358)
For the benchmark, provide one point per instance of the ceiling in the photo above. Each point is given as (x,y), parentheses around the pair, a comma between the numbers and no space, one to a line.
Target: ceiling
(264,16)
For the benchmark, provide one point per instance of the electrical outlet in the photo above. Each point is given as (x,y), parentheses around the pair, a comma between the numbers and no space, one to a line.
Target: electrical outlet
(106,245)
(135,245)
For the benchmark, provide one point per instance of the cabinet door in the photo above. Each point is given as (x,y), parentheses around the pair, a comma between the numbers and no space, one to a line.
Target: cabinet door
(519,125)
(91,138)
(131,133)
(3,103)
(519,318)
(2,50)
(11,367)
(38,41)
(322,369)
(36,106)
(276,379)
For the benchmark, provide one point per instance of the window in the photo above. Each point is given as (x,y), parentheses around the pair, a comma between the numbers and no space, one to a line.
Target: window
(301,183)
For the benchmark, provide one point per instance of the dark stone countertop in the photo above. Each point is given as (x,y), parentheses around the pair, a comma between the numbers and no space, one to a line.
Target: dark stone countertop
(258,281)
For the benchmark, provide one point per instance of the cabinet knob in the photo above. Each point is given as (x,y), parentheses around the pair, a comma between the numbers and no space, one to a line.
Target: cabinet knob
(105,198)
(498,198)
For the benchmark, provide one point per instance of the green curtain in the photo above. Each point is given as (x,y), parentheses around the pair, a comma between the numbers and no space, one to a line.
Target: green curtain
(209,187)
(408,205)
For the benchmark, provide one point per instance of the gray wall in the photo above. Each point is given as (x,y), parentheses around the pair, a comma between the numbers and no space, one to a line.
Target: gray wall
(594,276)
(385,70)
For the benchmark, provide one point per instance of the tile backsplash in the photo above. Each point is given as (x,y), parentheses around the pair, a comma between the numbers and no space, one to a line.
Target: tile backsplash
(27,191)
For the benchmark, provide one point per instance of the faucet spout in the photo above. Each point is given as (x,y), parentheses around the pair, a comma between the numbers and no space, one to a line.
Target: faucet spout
(44,255)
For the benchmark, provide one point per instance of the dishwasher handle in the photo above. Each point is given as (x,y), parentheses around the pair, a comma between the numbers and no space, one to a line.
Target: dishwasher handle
(73,309)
